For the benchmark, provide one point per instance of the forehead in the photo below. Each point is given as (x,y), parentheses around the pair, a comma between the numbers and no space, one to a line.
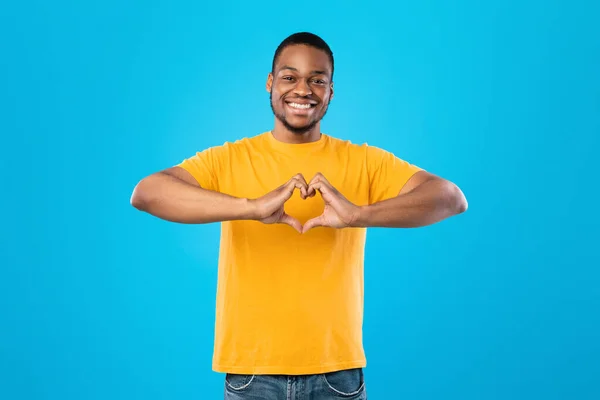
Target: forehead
(304,58)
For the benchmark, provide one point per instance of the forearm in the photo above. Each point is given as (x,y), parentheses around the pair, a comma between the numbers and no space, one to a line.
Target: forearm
(171,199)
(430,202)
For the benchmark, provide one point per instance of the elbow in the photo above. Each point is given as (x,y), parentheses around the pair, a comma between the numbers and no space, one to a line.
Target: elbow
(139,197)
(463,205)
(455,201)
(460,201)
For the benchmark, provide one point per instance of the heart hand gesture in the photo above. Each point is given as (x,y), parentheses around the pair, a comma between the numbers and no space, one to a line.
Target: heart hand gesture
(269,208)
(339,212)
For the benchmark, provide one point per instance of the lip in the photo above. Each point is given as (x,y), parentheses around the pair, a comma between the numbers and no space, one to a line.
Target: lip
(300,111)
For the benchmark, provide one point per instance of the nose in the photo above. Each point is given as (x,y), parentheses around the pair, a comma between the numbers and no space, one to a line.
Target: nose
(302,88)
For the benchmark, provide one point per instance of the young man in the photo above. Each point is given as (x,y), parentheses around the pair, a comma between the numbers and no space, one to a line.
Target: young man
(294,204)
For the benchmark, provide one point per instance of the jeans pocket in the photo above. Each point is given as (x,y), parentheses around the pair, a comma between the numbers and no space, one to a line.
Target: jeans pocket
(238,382)
(348,382)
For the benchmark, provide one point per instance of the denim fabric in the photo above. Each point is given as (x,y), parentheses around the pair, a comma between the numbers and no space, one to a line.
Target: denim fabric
(346,384)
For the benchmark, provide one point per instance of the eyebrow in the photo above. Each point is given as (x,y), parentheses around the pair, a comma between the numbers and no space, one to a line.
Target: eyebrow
(317,72)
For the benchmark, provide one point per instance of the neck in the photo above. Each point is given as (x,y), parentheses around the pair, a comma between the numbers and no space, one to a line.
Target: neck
(281,133)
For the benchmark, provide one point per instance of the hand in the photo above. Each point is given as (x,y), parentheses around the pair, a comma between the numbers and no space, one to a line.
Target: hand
(339,212)
(269,208)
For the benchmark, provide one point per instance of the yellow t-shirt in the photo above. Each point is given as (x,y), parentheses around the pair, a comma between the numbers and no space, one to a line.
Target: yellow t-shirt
(291,303)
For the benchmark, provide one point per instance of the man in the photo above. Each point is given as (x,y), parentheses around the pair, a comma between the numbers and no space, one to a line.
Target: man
(294,204)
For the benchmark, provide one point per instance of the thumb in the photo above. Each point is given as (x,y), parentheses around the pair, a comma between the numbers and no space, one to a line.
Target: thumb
(313,223)
(291,221)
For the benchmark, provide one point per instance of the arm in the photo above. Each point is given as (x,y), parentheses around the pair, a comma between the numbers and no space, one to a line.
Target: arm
(424,200)
(175,195)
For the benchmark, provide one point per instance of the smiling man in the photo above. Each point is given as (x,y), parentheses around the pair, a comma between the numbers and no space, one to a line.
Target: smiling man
(300,103)
(294,204)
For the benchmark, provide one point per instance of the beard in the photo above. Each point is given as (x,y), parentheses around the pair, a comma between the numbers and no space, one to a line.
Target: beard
(298,130)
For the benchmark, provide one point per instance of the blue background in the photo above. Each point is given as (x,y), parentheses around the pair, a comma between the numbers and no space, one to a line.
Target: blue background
(101,301)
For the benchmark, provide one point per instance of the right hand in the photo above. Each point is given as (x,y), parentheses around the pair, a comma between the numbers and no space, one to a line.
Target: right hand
(269,208)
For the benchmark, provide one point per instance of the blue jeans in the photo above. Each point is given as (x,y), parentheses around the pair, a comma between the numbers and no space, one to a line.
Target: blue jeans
(346,384)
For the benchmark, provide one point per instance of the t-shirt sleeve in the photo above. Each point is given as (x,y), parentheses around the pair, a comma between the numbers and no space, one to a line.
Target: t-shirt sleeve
(206,166)
(387,174)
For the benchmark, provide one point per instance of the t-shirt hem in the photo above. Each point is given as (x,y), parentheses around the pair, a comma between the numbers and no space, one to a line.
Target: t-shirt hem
(286,370)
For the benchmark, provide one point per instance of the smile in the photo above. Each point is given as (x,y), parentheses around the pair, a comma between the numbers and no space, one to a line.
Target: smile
(301,109)
(300,106)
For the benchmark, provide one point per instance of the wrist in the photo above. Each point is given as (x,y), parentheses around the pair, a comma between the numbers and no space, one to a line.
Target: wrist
(248,208)
(361,219)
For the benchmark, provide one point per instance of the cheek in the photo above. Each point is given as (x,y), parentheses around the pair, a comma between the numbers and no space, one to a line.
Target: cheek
(325,94)
(324,101)
(276,94)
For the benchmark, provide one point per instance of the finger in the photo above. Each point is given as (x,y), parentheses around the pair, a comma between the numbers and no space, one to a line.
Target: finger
(322,187)
(310,190)
(304,185)
(319,177)
(291,221)
(322,183)
(303,190)
(313,223)
(292,185)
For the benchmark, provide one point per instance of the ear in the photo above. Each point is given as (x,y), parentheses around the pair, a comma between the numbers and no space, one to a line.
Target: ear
(269,82)
(331,95)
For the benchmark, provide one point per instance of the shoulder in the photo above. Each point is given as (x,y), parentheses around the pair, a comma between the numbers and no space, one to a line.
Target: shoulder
(364,148)
(345,144)
(236,145)
(248,142)
(374,156)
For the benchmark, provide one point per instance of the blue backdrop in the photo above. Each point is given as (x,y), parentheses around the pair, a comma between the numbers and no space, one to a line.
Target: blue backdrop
(101,301)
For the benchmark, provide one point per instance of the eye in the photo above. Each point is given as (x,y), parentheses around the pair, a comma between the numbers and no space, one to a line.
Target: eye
(319,81)
(287,78)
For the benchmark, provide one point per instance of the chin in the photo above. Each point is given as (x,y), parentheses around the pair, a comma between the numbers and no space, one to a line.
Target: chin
(296,128)
(300,129)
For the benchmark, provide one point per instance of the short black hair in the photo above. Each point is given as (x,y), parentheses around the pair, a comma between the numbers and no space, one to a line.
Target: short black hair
(308,39)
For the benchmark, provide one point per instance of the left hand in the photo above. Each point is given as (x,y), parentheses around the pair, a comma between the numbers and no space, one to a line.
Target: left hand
(339,212)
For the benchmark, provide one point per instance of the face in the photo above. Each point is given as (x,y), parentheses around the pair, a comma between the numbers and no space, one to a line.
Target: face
(300,87)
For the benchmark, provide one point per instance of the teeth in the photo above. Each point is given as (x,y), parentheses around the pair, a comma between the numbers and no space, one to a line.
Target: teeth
(296,105)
